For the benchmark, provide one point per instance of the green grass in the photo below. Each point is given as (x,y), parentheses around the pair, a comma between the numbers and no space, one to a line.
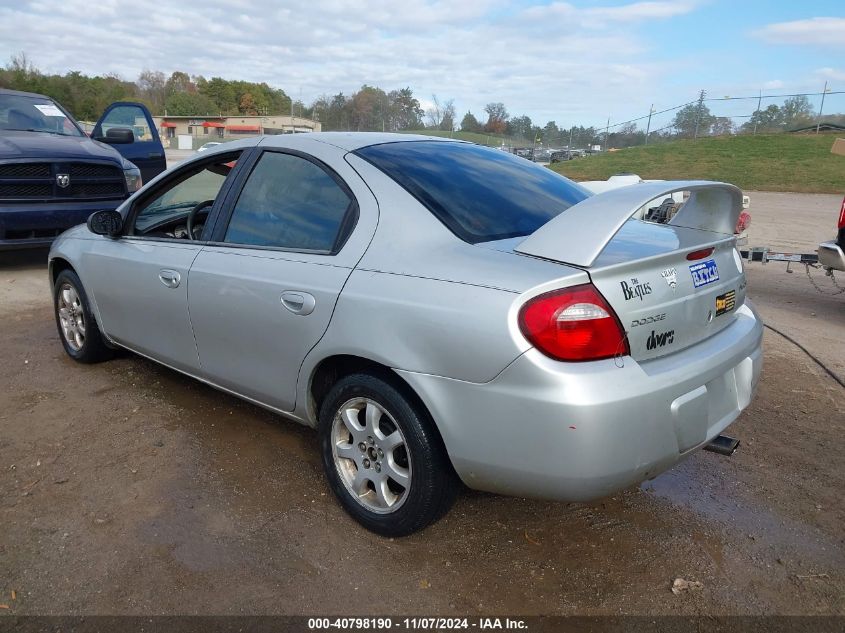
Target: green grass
(776,162)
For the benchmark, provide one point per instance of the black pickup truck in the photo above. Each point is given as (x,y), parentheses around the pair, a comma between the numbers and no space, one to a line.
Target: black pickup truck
(53,175)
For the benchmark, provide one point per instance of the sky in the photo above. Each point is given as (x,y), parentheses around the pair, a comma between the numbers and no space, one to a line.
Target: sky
(578,62)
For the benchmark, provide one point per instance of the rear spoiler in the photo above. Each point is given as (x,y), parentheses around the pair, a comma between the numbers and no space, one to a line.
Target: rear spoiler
(578,235)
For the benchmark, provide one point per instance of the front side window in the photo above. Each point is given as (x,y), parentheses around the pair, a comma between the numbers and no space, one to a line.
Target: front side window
(127,116)
(289,202)
(166,213)
(480,194)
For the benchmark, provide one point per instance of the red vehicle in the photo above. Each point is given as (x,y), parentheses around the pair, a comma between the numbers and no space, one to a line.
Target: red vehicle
(832,254)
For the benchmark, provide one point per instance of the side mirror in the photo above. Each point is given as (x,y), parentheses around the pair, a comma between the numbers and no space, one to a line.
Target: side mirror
(118,136)
(105,223)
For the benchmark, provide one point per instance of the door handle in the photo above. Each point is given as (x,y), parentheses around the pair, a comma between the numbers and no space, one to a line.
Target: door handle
(298,302)
(169,278)
(154,155)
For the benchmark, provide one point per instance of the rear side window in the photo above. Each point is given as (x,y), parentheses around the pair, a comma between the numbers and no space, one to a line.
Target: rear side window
(480,194)
(289,202)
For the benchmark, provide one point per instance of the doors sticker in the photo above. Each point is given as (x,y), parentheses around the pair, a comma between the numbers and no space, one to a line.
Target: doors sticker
(725,302)
(659,340)
(704,273)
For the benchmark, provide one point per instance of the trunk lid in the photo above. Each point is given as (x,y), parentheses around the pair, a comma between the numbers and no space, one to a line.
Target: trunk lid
(665,301)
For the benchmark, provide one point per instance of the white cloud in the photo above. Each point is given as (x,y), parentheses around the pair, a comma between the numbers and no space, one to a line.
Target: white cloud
(821,32)
(559,61)
(774,84)
(830,73)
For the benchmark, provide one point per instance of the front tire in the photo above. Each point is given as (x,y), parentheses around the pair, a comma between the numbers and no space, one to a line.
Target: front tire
(382,456)
(77,326)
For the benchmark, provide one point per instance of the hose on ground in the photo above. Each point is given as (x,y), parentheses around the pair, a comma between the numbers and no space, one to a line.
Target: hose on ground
(808,353)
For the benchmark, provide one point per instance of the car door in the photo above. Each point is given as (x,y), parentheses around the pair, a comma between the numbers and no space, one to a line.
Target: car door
(146,150)
(140,280)
(263,292)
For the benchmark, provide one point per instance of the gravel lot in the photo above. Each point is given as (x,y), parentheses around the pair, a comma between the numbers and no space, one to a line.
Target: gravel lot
(126,488)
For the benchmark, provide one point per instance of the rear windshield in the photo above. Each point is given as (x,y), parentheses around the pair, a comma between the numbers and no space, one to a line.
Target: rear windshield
(480,194)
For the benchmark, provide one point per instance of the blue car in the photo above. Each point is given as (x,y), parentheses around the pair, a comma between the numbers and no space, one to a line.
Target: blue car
(53,175)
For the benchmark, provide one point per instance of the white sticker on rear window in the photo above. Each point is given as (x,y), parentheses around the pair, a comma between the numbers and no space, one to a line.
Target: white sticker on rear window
(704,273)
(48,109)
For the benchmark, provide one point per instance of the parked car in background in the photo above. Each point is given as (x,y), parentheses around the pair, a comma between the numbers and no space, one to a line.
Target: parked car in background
(207,146)
(832,254)
(53,176)
(436,309)
(560,155)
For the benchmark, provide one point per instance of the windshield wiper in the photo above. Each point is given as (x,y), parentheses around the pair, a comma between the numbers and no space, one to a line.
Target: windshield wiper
(32,129)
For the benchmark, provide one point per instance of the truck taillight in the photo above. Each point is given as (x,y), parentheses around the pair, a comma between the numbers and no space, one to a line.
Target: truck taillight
(842,215)
(573,324)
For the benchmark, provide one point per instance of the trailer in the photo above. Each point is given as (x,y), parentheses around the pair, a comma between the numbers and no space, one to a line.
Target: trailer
(764,255)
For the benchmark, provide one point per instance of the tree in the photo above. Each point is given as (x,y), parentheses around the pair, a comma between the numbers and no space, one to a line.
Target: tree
(692,116)
(152,87)
(768,120)
(190,103)
(497,118)
(521,127)
(796,111)
(370,110)
(470,124)
(722,126)
(447,123)
(405,110)
(551,133)
(179,82)
(247,105)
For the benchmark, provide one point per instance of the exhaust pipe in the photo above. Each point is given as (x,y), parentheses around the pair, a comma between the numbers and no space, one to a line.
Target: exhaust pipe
(722,444)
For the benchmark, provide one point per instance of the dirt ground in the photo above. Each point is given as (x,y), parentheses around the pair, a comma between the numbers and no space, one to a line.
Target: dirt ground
(126,488)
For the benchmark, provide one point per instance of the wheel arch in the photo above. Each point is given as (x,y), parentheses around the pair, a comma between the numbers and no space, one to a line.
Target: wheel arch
(56,266)
(333,368)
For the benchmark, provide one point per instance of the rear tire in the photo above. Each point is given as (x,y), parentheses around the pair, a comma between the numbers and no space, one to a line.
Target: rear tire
(382,456)
(77,326)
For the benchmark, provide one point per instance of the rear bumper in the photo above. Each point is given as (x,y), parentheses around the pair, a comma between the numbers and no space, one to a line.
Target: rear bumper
(831,256)
(575,432)
(32,224)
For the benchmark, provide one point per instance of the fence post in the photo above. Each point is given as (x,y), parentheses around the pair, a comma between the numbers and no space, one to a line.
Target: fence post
(648,127)
(821,107)
(698,114)
(757,118)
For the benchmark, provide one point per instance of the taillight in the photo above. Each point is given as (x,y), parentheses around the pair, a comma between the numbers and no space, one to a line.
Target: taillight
(842,215)
(574,324)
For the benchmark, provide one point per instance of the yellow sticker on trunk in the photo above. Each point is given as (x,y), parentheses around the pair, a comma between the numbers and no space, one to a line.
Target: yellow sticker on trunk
(725,302)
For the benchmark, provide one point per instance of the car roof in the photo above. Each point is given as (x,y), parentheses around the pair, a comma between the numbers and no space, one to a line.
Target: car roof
(351,141)
(6,91)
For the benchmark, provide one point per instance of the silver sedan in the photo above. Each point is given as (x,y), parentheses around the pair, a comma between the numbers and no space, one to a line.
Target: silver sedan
(439,311)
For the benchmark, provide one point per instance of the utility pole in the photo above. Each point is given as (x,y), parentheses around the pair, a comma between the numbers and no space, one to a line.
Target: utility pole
(569,147)
(821,107)
(698,116)
(605,133)
(648,127)
(757,118)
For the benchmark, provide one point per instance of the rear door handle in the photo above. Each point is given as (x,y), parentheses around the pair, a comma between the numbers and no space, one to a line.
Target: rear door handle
(169,278)
(298,302)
